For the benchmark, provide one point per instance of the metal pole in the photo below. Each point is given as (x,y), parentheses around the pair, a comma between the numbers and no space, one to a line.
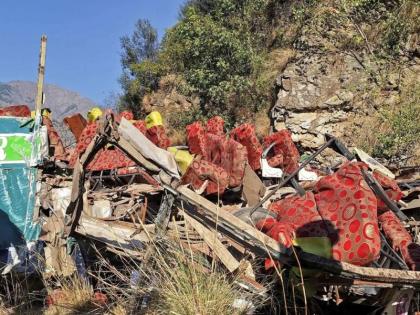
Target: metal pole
(41,75)
(288,178)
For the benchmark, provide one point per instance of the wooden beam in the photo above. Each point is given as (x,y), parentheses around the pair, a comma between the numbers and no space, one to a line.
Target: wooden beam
(346,270)
(210,237)
(343,269)
(128,148)
(242,228)
(41,75)
(113,233)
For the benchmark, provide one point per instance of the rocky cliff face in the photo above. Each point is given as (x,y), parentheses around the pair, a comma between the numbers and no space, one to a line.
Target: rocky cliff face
(315,95)
(333,86)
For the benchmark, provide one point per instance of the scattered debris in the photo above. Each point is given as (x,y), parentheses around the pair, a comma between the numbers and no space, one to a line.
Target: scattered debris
(336,235)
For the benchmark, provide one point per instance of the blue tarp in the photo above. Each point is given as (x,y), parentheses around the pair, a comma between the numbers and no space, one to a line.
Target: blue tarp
(17,190)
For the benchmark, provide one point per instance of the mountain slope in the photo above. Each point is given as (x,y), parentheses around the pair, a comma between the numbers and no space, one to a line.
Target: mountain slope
(62,102)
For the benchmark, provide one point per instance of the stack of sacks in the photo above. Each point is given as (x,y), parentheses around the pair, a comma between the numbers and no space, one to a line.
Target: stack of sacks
(15,111)
(245,135)
(156,131)
(110,157)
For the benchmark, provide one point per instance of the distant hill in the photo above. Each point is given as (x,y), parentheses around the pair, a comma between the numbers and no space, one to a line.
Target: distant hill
(62,102)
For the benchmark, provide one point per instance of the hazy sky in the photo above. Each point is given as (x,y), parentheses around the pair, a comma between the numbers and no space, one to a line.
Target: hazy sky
(83,49)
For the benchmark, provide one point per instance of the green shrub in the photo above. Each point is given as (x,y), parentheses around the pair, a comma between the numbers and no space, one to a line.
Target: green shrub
(402,135)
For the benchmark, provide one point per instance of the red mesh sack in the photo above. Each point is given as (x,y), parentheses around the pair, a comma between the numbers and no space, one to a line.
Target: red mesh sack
(84,140)
(234,158)
(391,188)
(157,135)
(400,239)
(196,138)
(300,212)
(392,227)
(126,114)
(201,170)
(109,159)
(215,145)
(141,126)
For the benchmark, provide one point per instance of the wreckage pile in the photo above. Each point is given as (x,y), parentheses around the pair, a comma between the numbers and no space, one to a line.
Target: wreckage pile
(348,231)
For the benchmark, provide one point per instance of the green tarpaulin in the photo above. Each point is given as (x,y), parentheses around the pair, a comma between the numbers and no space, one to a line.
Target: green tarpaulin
(17,182)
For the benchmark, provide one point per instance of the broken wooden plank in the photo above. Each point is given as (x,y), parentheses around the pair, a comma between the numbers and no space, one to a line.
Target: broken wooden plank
(131,151)
(210,237)
(114,233)
(240,227)
(133,139)
(308,260)
(346,270)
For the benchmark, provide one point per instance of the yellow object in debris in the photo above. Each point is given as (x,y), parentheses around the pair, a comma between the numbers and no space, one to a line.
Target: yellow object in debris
(183,158)
(45,112)
(320,246)
(94,114)
(153,119)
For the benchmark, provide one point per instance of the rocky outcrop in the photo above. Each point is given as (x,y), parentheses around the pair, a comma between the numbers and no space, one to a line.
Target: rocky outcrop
(315,95)
(167,99)
(331,88)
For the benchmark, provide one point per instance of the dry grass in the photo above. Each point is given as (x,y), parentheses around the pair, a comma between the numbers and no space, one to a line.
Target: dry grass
(74,296)
(183,288)
(177,136)
(174,281)
(20,294)
(262,124)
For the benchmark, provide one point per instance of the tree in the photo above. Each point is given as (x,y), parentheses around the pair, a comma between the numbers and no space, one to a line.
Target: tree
(138,60)
(142,44)
(213,59)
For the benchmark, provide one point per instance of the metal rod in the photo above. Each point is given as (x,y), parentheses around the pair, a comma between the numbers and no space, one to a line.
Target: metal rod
(289,177)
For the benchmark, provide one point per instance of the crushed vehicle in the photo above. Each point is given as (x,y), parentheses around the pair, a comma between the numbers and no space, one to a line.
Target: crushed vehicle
(348,232)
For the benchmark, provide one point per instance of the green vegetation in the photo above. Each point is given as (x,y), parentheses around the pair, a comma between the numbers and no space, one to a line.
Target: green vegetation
(399,141)
(217,47)
(228,53)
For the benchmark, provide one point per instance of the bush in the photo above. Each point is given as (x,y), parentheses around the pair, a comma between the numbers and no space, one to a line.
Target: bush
(214,48)
(402,134)
(214,60)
